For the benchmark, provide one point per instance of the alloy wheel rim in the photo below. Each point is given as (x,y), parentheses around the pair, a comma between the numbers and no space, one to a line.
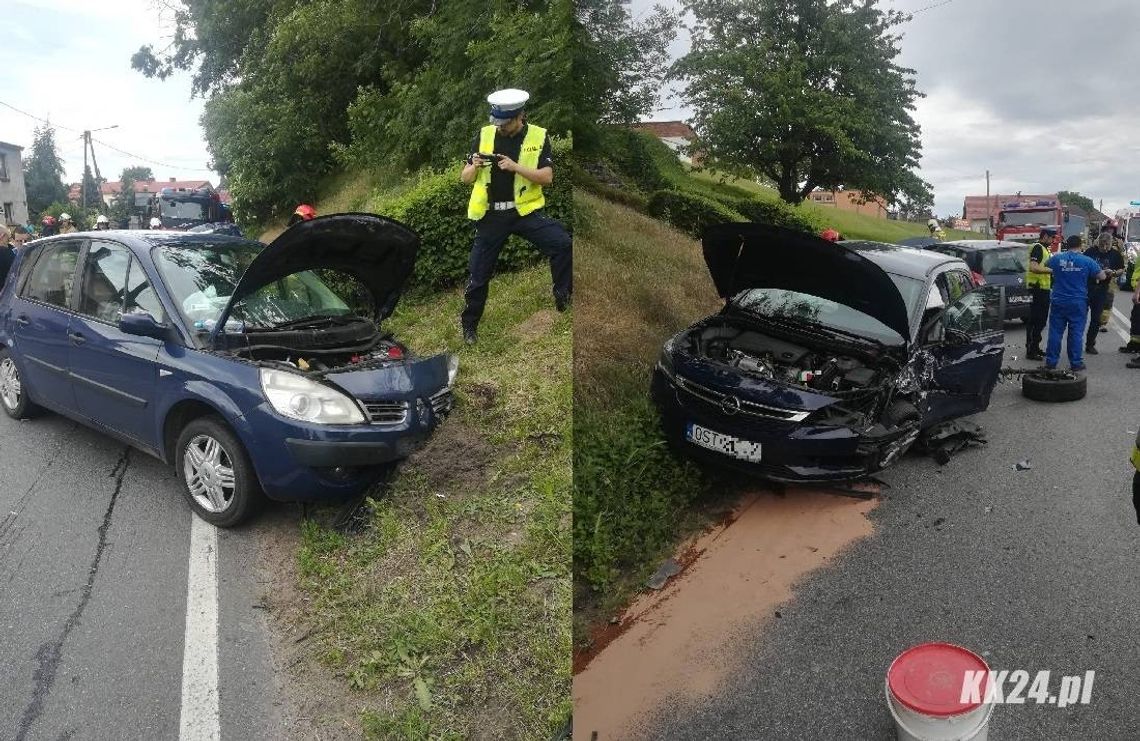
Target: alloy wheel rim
(10,387)
(209,474)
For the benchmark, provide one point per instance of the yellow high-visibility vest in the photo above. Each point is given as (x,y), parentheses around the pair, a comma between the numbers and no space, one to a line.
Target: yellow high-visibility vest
(528,195)
(1039,280)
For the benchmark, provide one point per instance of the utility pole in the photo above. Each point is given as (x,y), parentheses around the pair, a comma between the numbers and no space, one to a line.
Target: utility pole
(88,145)
(989,206)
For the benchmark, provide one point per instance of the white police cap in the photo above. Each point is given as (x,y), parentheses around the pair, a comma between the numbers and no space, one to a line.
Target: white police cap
(506,104)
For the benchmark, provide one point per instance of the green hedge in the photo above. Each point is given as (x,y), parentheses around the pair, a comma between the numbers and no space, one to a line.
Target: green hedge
(689,212)
(771,212)
(437,209)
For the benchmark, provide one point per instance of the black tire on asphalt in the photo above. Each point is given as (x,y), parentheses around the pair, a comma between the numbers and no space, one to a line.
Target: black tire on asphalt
(1054,386)
(24,407)
(247,496)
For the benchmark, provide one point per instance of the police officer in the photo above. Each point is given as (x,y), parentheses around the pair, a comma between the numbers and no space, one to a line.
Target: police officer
(1038,280)
(1112,263)
(508,167)
(1072,273)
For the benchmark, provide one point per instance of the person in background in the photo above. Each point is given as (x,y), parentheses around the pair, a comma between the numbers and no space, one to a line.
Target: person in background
(1072,272)
(7,256)
(48,227)
(1118,247)
(830,235)
(155,222)
(1111,264)
(65,224)
(1038,280)
(304,212)
(102,223)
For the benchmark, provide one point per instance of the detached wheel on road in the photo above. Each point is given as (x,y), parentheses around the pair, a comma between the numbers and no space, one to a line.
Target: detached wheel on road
(217,477)
(12,395)
(1054,385)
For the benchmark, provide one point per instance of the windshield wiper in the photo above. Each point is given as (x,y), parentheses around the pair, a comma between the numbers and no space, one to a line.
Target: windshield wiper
(312,322)
(828,329)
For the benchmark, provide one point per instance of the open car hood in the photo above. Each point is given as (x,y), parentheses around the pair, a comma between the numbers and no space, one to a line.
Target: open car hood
(377,251)
(745,256)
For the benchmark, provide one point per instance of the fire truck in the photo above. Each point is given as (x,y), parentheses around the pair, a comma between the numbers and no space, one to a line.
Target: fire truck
(1022,220)
(184,208)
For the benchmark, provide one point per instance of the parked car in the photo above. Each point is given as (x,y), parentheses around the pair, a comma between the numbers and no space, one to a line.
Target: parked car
(232,360)
(1003,263)
(828,361)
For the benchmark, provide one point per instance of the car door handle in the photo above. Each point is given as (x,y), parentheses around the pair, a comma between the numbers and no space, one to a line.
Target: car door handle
(23,321)
(76,338)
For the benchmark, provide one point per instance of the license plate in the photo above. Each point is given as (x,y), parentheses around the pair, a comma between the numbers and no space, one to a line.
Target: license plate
(728,445)
(1017,299)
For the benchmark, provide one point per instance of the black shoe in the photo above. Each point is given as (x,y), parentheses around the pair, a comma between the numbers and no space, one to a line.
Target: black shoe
(1091,351)
(1034,354)
(1104,329)
(1131,347)
(562,303)
(469,336)
(1134,363)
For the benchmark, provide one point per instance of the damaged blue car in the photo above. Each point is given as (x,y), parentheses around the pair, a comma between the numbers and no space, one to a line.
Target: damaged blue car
(234,361)
(828,360)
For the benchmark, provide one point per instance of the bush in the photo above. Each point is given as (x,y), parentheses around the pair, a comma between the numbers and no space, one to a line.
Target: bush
(689,212)
(771,212)
(437,209)
(642,159)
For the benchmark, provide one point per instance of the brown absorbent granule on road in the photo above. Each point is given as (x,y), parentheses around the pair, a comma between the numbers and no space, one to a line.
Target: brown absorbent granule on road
(679,643)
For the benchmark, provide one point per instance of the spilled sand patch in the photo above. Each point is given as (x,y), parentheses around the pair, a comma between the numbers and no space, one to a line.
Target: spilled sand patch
(676,644)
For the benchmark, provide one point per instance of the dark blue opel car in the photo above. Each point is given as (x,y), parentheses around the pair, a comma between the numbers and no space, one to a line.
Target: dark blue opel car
(828,360)
(232,360)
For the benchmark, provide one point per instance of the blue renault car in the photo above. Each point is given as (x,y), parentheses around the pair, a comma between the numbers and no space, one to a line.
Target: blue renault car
(828,360)
(231,360)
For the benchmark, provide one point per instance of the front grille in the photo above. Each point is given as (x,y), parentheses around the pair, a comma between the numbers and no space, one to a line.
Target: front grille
(750,408)
(387,412)
(441,402)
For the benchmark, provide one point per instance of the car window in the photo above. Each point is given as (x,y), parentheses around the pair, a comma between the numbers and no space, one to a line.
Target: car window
(140,295)
(104,281)
(958,283)
(977,312)
(1010,261)
(53,274)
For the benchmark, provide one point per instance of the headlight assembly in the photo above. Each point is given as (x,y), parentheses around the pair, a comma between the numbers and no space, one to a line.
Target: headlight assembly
(297,397)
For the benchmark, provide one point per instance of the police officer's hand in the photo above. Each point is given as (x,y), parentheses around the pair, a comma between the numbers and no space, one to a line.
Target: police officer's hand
(506,163)
(477,160)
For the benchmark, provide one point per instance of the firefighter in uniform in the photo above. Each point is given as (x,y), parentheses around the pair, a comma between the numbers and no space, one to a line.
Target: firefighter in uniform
(1039,281)
(1118,247)
(509,164)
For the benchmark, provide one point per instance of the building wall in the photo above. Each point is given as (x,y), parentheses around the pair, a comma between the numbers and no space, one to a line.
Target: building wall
(13,194)
(849,200)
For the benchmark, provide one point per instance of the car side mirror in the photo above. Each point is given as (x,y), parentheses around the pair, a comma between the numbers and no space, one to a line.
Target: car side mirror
(142,324)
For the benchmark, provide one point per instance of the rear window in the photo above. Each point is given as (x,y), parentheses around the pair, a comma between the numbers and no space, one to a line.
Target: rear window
(1007,261)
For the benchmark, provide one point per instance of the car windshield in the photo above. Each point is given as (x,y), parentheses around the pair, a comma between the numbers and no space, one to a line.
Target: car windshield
(1029,218)
(778,303)
(201,278)
(175,209)
(1132,229)
(1010,261)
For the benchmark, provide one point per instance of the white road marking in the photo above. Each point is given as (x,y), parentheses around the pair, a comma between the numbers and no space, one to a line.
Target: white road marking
(1125,321)
(201,720)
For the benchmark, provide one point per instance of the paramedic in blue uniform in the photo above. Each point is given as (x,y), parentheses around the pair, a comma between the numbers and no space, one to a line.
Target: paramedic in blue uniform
(1069,304)
(507,198)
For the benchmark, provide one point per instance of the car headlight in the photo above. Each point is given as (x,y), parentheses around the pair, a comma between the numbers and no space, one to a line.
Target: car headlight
(665,362)
(297,397)
(452,369)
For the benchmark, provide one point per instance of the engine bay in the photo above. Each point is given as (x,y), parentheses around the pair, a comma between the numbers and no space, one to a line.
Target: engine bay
(762,356)
(356,345)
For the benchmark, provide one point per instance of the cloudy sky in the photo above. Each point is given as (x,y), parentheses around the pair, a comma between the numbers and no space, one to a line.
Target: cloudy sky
(1061,114)
(69,61)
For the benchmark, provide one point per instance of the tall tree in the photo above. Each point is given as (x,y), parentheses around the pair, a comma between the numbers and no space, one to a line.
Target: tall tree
(1072,198)
(806,93)
(123,202)
(619,66)
(92,186)
(137,173)
(43,172)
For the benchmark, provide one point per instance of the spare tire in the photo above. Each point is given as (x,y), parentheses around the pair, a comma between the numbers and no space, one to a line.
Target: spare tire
(1054,385)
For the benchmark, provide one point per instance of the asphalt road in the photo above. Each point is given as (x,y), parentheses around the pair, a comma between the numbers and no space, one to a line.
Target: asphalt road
(94,557)
(1036,569)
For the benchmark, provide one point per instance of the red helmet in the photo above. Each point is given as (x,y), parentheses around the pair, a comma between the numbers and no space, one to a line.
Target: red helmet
(48,221)
(305,211)
(830,235)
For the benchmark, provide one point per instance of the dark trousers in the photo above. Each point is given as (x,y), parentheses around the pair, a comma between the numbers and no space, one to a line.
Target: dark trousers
(1134,325)
(1038,317)
(547,235)
(1097,301)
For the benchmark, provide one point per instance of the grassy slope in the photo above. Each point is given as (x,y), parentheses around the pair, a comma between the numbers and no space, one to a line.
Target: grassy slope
(450,616)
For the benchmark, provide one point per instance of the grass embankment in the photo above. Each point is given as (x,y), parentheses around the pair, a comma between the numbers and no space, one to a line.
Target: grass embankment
(450,616)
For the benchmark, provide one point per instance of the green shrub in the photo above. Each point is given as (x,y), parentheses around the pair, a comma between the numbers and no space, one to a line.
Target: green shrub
(437,209)
(641,159)
(689,212)
(771,212)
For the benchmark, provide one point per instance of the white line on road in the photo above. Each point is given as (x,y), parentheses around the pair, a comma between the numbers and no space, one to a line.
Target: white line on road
(200,717)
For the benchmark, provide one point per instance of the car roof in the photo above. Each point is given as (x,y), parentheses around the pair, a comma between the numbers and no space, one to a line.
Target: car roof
(144,239)
(983,244)
(904,261)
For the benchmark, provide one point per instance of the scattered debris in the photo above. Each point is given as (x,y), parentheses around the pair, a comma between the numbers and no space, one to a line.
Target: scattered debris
(943,441)
(663,573)
(989,509)
(1024,465)
(778,614)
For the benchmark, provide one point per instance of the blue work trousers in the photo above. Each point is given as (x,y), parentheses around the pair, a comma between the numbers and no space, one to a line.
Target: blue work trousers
(1071,317)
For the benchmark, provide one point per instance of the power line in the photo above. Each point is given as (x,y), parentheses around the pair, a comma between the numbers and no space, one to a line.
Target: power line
(930,7)
(37,118)
(150,161)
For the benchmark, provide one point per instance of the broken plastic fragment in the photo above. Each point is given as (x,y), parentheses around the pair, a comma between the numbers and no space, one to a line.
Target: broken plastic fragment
(1022,465)
(666,570)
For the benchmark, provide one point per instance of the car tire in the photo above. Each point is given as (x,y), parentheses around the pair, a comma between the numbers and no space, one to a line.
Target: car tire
(1054,386)
(13,395)
(218,479)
